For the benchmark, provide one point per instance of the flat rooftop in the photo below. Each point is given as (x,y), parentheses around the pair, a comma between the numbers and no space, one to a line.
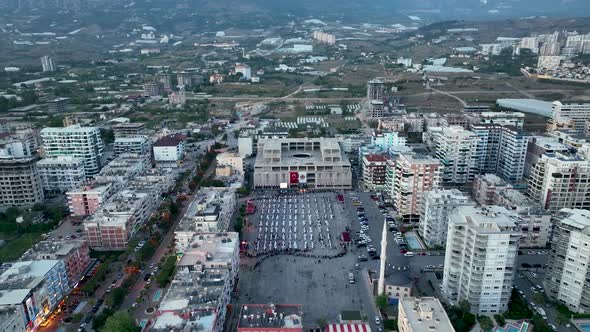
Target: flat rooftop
(271,316)
(426,314)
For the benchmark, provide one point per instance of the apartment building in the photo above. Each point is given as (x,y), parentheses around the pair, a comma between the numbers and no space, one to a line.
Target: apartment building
(561,181)
(75,141)
(386,140)
(117,220)
(501,150)
(29,292)
(260,318)
(533,221)
(207,271)
(20,184)
(419,314)
(153,89)
(480,260)
(375,89)
(435,209)
(48,64)
(74,253)
(539,145)
(169,151)
(571,117)
(86,199)
(129,129)
(324,37)
(231,159)
(61,173)
(456,148)
(19,143)
(139,146)
(373,171)
(569,260)
(408,177)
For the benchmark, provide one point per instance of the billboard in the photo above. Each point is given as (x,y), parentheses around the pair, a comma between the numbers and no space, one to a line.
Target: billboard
(283,185)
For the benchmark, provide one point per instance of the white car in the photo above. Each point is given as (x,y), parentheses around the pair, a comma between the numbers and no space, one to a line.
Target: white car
(377,320)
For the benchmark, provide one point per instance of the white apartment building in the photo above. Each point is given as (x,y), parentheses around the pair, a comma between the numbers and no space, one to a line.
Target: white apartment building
(386,140)
(408,177)
(501,150)
(245,70)
(169,150)
(569,260)
(435,209)
(560,181)
(61,173)
(140,146)
(456,148)
(48,64)
(76,141)
(324,37)
(569,116)
(480,259)
(419,314)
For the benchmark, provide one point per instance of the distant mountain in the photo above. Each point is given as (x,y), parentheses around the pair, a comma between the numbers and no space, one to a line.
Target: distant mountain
(359,9)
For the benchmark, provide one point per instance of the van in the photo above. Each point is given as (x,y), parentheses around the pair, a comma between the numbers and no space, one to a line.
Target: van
(409,254)
(351,277)
(542,313)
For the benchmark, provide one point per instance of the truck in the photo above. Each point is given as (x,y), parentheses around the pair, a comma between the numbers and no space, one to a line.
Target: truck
(351,277)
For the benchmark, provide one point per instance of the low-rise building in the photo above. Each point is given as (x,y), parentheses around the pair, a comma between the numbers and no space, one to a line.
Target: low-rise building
(117,220)
(270,318)
(169,150)
(130,129)
(86,199)
(209,211)
(74,253)
(29,292)
(419,314)
(231,159)
(62,173)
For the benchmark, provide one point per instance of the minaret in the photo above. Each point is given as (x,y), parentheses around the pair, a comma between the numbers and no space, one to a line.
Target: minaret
(381,287)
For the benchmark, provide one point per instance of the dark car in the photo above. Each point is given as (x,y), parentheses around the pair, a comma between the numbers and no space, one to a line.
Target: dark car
(146,277)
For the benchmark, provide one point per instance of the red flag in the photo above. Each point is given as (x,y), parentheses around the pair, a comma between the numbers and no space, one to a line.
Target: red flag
(294,177)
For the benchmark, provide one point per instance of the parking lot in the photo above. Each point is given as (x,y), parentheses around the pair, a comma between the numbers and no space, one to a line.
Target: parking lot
(294,222)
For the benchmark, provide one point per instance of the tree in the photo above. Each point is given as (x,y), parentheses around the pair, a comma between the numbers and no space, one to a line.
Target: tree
(381,302)
(239,225)
(107,136)
(121,321)
(500,320)
(464,306)
(485,323)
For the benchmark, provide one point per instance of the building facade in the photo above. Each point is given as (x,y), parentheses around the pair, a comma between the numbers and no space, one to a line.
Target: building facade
(75,141)
(560,181)
(569,116)
(456,148)
(301,162)
(419,314)
(169,150)
(20,182)
(86,199)
(408,177)
(48,64)
(62,173)
(435,209)
(569,261)
(373,171)
(480,258)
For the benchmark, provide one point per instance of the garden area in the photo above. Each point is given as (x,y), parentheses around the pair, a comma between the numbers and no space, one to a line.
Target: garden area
(21,229)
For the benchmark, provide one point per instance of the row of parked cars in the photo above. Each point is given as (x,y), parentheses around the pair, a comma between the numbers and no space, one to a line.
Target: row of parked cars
(363,239)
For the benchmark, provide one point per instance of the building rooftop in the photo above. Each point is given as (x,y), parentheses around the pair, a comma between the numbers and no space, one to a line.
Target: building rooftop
(69,129)
(211,248)
(194,321)
(426,314)
(21,277)
(60,160)
(375,158)
(170,140)
(207,201)
(493,180)
(487,219)
(56,248)
(283,316)
(576,218)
